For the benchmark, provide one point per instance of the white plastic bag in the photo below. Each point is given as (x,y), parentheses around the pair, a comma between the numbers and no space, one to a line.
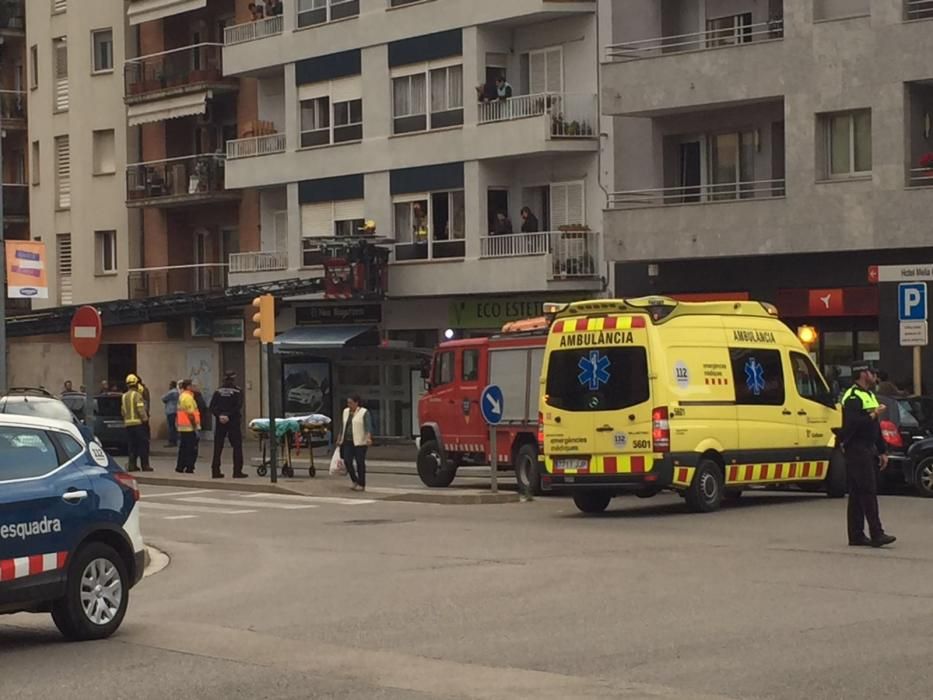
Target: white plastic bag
(337,467)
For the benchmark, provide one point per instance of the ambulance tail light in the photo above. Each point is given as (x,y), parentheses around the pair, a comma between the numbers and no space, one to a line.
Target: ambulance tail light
(540,433)
(129,483)
(891,434)
(661,430)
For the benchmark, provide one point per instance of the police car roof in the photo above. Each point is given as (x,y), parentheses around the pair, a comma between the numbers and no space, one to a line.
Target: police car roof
(41,423)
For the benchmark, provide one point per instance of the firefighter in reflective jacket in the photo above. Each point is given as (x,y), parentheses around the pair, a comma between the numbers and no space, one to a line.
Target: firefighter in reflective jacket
(227,407)
(188,422)
(136,420)
(864,448)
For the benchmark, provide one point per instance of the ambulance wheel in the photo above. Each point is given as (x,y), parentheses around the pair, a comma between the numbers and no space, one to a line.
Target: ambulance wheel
(434,471)
(96,594)
(261,471)
(592,502)
(836,477)
(527,470)
(706,492)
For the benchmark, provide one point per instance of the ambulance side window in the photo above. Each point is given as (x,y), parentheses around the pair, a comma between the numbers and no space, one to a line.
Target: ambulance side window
(443,369)
(25,453)
(810,384)
(470,365)
(758,376)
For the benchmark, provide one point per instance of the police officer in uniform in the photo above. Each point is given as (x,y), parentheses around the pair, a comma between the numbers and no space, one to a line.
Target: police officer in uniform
(227,408)
(864,448)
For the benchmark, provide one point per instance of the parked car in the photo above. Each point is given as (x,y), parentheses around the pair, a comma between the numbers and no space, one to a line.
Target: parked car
(39,403)
(108,422)
(901,430)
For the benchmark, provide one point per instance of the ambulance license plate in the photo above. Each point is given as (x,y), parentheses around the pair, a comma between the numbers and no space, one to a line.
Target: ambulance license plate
(571,463)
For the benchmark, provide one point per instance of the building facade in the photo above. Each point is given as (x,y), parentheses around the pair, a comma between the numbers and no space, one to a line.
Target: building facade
(772,149)
(14,139)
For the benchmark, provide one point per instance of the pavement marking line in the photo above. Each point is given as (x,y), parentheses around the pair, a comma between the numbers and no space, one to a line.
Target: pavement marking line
(179,517)
(257,504)
(310,499)
(172,494)
(193,509)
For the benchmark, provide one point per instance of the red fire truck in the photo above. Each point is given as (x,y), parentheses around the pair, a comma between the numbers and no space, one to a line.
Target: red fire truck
(453,432)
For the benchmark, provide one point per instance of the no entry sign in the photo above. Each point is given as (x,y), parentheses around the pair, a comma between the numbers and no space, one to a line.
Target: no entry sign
(86,331)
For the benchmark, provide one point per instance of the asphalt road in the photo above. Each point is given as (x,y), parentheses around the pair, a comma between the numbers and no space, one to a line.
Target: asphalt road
(275,597)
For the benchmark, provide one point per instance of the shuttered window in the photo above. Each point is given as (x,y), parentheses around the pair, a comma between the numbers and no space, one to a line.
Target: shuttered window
(63,257)
(59,6)
(567,205)
(546,70)
(60,68)
(317,220)
(62,173)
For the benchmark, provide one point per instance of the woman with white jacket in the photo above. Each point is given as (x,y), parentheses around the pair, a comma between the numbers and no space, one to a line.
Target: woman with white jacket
(356,436)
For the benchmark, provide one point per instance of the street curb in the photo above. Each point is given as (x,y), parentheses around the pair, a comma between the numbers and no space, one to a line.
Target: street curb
(155,564)
(217,484)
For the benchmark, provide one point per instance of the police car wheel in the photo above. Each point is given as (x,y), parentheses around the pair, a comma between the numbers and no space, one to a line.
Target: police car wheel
(592,501)
(527,473)
(96,594)
(433,470)
(923,479)
(706,491)
(836,475)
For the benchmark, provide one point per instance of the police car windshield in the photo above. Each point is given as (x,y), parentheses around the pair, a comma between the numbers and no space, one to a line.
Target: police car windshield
(36,406)
(597,379)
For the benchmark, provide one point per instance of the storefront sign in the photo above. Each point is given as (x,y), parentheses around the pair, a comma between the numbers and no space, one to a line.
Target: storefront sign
(492,313)
(26,271)
(327,314)
(229,330)
(900,273)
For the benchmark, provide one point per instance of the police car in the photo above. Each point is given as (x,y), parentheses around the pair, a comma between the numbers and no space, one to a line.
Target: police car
(70,542)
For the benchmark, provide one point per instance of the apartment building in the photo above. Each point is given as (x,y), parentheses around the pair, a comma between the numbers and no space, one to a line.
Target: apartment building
(375,111)
(13,125)
(773,149)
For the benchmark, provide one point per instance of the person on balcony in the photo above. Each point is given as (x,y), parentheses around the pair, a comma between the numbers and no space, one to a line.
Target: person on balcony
(256,11)
(503,224)
(503,88)
(529,221)
(274,8)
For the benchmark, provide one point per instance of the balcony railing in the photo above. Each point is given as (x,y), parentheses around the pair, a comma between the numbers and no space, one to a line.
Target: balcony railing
(737,35)
(256,146)
(264,261)
(918,9)
(190,177)
(571,115)
(176,279)
(15,200)
(920,177)
(241,33)
(694,194)
(12,106)
(572,253)
(13,15)
(177,69)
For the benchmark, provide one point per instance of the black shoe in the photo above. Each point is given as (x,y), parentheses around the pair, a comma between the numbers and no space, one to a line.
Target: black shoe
(179,470)
(132,469)
(189,471)
(217,476)
(883,540)
(241,475)
(861,542)
(148,469)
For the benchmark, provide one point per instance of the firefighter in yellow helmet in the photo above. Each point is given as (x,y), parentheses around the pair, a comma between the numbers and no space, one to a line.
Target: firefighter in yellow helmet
(136,420)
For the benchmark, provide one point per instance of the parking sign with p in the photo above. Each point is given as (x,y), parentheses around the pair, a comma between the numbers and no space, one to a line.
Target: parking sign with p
(912,301)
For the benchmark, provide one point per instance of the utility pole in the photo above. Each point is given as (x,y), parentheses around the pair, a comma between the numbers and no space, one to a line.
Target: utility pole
(3,291)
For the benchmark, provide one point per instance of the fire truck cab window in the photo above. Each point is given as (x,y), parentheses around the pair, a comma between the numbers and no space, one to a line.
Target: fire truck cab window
(443,369)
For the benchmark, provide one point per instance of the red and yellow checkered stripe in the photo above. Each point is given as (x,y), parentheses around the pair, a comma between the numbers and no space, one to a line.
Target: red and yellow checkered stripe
(606,464)
(600,323)
(774,473)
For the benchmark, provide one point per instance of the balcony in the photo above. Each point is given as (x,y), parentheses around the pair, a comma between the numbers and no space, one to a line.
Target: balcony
(251,31)
(143,283)
(256,146)
(261,261)
(177,182)
(12,18)
(178,81)
(13,109)
(716,38)
(15,202)
(571,254)
(697,194)
(565,115)
(140,11)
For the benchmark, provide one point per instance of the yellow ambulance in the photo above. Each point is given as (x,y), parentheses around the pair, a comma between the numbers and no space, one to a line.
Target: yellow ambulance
(707,399)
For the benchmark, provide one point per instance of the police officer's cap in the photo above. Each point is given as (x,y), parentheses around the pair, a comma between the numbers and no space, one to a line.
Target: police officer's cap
(860,367)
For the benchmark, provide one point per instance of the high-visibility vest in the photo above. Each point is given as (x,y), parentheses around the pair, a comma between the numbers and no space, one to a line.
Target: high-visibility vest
(132,407)
(868,398)
(186,406)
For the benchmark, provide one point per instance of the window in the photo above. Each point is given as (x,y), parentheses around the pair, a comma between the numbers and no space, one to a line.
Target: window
(34,163)
(848,143)
(70,447)
(408,104)
(567,205)
(102,45)
(59,6)
(315,122)
(470,365)
(409,100)
(25,453)
(731,165)
(446,97)
(545,70)
(728,31)
(62,173)
(597,380)
(60,70)
(400,3)
(63,258)
(311,12)
(105,243)
(444,369)
(348,227)
(430,226)
(33,66)
(758,376)
(328,220)
(103,152)
(348,121)
(810,384)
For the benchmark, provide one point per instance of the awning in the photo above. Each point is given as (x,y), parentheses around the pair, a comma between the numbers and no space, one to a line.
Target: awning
(310,338)
(140,11)
(168,108)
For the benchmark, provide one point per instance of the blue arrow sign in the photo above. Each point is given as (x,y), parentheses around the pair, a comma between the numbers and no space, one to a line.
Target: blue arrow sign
(492,404)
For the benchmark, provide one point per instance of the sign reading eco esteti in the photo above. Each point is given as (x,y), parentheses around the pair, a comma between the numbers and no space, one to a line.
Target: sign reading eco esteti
(493,313)
(25,270)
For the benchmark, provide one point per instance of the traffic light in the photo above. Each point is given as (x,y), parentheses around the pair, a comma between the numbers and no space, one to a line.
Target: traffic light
(264,318)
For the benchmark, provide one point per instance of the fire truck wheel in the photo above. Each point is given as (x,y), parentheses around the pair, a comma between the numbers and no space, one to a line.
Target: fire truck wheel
(432,468)
(527,470)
